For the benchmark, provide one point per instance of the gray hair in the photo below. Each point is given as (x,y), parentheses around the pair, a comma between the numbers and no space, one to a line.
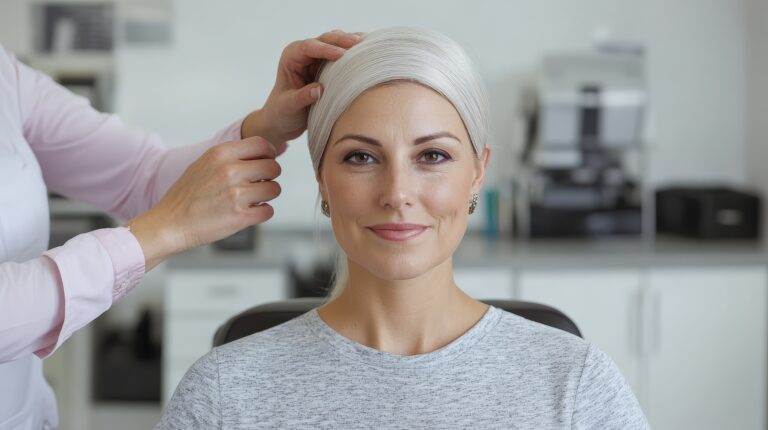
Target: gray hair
(399,54)
(388,55)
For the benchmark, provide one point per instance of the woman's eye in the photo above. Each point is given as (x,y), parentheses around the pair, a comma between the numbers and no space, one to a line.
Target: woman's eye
(359,158)
(435,157)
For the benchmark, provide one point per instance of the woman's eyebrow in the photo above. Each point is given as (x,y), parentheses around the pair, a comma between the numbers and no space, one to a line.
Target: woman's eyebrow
(417,141)
(359,137)
(434,136)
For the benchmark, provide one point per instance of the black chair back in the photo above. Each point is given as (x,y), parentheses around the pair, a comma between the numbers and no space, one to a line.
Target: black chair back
(268,315)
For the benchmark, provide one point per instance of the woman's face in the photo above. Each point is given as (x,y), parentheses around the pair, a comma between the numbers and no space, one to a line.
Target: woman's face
(398,174)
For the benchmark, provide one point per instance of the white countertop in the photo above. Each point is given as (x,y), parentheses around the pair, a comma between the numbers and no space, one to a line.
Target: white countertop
(277,248)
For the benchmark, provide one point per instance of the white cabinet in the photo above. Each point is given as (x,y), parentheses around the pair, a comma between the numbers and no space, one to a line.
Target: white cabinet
(707,359)
(691,341)
(485,283)
(602,303)
(198,302)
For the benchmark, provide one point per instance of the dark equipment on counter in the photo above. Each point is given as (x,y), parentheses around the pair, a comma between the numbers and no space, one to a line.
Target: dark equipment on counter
(583,133)
(708,213)
(571,207)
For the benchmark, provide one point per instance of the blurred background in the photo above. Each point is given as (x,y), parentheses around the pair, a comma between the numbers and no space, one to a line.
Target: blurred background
(625,185)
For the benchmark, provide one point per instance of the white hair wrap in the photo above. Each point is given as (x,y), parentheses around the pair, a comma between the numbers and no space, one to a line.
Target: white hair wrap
(393,54)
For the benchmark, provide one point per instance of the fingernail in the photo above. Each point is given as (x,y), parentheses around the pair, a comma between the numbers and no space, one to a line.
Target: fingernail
(315,93)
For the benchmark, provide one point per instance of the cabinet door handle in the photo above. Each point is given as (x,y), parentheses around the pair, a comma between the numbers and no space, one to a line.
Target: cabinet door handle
(656,321)
(646,322)
(635,322)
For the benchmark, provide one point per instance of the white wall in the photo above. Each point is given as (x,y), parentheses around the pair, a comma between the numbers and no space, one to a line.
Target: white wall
(697,77)
(224,55)
(15,16)
(757,94)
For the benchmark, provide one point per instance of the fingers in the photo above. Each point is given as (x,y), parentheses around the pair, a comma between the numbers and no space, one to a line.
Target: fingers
(293,91)
(245,161)
(247,196)
(340,38)
(328,46)
(250,148)
(304,97)
(259,213)
(247,200)
(258,170)
(311,50)
(235,174)
(281,147)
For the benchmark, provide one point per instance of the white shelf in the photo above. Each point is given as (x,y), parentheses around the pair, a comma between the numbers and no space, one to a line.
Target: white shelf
(73,63)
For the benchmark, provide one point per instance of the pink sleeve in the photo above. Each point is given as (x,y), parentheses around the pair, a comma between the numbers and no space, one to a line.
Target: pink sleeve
(93,157)
(29,306)
(44,300)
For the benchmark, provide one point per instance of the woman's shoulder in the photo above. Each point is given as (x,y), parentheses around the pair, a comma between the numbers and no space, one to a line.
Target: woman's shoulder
(551,354)
(287,338)
(227,372)
(571,364)
(532,338)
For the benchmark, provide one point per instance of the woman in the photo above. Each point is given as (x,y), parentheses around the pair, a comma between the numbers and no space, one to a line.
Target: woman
(399,149)
(53,140)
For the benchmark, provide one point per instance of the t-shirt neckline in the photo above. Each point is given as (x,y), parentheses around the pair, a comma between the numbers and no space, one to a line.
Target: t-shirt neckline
(377,358)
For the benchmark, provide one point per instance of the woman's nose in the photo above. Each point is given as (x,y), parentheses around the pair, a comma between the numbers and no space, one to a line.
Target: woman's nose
(397,188)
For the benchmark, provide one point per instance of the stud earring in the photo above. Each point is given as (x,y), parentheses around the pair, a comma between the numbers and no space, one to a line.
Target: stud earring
(325,208)
(473,204)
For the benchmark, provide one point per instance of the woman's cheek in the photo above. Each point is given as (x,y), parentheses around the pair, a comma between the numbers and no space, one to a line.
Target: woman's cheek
(446,200)
(356,200)
(345,191)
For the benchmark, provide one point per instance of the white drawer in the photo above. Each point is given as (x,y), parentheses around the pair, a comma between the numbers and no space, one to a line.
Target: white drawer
(485,283)
(223,291)
(191,337)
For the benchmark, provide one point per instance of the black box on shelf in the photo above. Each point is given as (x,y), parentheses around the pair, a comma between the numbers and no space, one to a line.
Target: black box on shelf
(708,213)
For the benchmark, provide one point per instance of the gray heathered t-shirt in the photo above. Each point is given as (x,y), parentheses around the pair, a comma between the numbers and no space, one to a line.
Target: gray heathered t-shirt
(505,372)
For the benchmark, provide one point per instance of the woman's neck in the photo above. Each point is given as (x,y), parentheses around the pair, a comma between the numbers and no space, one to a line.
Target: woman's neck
(408,317)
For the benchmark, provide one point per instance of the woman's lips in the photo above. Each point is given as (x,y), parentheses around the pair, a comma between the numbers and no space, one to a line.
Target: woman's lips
(397,232)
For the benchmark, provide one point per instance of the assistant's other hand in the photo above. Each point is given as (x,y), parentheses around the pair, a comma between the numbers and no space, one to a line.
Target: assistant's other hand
(222,192)
(284,115)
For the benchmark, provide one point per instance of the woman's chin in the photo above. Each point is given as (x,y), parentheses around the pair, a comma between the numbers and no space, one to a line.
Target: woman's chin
(400,275)
(397,269)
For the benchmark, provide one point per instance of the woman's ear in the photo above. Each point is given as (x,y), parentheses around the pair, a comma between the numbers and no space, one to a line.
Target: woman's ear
(320,185)
(480,166)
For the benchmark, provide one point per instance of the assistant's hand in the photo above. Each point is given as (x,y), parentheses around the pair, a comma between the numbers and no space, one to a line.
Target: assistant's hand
(284,115)
(221,193)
